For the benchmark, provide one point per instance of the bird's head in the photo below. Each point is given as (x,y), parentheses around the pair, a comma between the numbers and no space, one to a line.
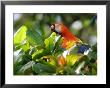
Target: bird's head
(56,28)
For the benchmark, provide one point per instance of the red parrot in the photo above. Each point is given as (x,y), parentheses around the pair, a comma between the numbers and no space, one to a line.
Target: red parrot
(68,43)
(69,39)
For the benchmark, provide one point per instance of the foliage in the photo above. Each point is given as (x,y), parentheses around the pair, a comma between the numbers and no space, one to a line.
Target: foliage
(36,55)
(83,25)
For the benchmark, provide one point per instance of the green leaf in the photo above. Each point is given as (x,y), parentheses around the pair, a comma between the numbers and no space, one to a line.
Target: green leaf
(20,35)
(41,68)
(94,69)
(72,58)
(68,70)
(78,69)
(92,55)
(34,38)
(77,63)
(94,72)
(38,54)
(75,50)
(26,68)
(17,47)
(49,59)
(57,47)
(25,46)
(20,60)
(46,63)
(50,42)
(94,48)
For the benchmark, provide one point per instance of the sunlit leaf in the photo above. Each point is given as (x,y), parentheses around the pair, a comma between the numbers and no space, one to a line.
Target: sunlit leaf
(20,35)
(50,42)
(38,54)
(71,59)
(25,46)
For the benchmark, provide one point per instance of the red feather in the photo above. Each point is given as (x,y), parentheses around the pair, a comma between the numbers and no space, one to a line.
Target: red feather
(69,39)
(67,34)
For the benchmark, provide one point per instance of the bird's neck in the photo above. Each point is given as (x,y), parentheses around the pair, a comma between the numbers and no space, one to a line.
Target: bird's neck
(69,36)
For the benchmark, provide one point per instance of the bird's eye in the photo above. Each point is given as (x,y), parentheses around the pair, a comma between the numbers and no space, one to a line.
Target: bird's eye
(52,26)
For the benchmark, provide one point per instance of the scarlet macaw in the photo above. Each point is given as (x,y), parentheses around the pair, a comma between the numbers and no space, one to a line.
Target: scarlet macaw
(69,40)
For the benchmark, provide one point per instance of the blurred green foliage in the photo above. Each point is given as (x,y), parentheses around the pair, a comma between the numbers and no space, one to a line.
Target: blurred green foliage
(36,50)
(83,25)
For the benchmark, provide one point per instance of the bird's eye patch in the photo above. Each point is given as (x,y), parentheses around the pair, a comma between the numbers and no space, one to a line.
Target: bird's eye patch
(52,26)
